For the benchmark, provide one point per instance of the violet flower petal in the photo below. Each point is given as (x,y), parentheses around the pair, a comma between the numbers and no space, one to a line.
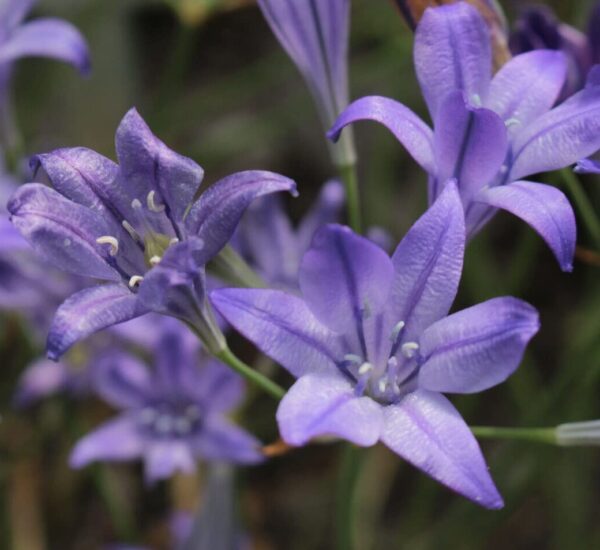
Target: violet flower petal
(215,385)
(587,166)
(39,380)
(281,326)
(163,458)
(452,52)
(115,441)
(544,208)
(48,37)
(527,87)
(562,136)
(318,405)
(470,145)
(12,12)
(61,231)
(428,265)
(406,126)
(217,212)
(478,347)
(427,431)
(344,277)
(89,311)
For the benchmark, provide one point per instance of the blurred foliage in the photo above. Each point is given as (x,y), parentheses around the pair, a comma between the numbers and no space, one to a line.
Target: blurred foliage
(222,92)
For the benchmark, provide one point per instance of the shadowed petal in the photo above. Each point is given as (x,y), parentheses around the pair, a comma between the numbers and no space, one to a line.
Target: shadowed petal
(428,265)
(427,431)
(527,87)
(217,212)
(122,380)
(478,347)
(12,12)
(588,166)
(470,145)
(215,385)
(47,37)
(318,405)
(344,278)
(281,326)
(114,441)
(61,231)
(222,440)
(147,164)
(162,459)
(562,136)
(407,127)
(544,208)
(452,52)
(89,311)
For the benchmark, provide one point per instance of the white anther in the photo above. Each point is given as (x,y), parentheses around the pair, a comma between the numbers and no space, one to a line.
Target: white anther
(114,244)
(476,99)
(365,368)
(132,232)
(174,240)
(392,363)
(135,280)
(397,330)
(382,385)
(351,358)
(409,349)
(503,169)
(512,122)
(164,424)
(155,260)
(152,205)
(136,203)
(183,425)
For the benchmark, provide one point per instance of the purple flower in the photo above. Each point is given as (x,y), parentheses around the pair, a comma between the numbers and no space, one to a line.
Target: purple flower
(490,133)
(135,225)
(267,239)
(372,345)
(171,415)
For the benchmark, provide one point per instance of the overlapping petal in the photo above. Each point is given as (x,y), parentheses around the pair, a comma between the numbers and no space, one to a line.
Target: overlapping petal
(476,348)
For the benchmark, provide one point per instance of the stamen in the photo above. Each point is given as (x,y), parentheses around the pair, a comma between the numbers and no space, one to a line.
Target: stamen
(512,122)
(354,359)
(135,280)
(365,368)
(155,260)
(383,382)
(503,169)
(132,232)
(136,203)
(397,330)
(152,205)
(476,99)
(174,240)
(112,241)
(409,349)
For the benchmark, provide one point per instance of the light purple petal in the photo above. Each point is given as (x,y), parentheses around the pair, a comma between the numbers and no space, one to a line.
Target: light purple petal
(562,136)
(527,87)
(222,440)
(470,145)
(216,386)
(122,380)
(216,214)
(12,12)
(47,37)
(318,405)
(115,441)
(427,431)
(478,347)
(452,52)
(147,164)
(61,231)
(89,311)
(544,208)
(407,127)
(428,265)
(162,459)
(588,166)
(282,327)
(40,379)
(344,278)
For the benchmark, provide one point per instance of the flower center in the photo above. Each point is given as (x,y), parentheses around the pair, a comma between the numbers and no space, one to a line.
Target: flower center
(170,421)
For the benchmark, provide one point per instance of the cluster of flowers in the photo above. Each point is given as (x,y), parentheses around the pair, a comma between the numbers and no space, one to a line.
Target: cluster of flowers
(368,335)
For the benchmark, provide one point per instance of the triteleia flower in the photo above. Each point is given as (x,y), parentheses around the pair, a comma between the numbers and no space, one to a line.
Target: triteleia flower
(135,225)
(490,133)
(372,345)
(172,414)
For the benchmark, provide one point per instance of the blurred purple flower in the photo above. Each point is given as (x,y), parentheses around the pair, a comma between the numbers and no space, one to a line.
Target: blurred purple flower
(490,133)
(135,225)
(373,346)
(171,415)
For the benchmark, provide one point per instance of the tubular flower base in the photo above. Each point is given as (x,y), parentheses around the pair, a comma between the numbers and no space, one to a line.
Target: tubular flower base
(133,224)
(373,347)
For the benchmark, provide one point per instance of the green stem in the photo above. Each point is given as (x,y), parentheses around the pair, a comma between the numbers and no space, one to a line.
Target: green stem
(583,204)
(346,496)
(350,179)
(230,267)
(272,388)
(539,435)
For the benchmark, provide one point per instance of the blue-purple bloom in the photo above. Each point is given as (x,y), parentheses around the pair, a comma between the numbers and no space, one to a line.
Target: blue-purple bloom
(372,345)
(173,414)
(490,133)
(135,225)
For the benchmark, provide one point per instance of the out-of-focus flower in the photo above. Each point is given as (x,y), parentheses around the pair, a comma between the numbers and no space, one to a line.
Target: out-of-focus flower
(135,225)
(171,415)
(195,12)
(490,133)
(372,345)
